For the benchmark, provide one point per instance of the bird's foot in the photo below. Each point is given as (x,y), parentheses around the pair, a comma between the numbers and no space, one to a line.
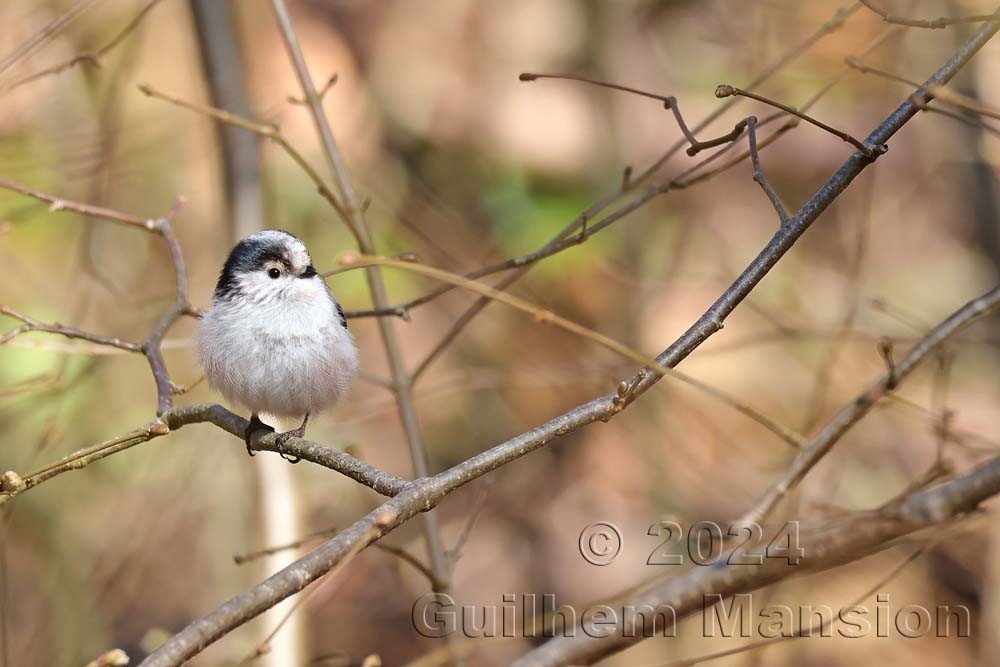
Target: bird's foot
(284,437)
(255,425)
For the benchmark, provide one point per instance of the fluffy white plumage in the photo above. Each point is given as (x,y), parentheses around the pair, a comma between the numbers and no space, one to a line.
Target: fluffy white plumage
(275,339)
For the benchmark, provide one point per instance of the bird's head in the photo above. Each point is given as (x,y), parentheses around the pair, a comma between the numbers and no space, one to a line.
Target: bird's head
(269,266)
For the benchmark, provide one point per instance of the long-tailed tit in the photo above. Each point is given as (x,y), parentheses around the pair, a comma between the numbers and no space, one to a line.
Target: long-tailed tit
(275,339)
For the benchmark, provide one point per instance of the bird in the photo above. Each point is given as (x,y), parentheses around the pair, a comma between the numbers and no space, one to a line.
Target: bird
(275,339)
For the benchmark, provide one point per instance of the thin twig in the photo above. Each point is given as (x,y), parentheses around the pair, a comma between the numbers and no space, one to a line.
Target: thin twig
(59,204)
(178,417)
(402,554)
(424,494)
(936,92)
(542,315)
(271,131)
(725,90)
(933,24)
(558,243)
(816,449)
(758,174)
(353,214)
(57,328)
(669,102)
(92,57)
(48,31)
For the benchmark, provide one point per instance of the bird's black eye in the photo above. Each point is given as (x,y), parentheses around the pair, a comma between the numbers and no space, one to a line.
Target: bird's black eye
(274,272)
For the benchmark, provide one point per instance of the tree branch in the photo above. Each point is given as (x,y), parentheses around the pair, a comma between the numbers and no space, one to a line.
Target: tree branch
(826,546)
(424,494)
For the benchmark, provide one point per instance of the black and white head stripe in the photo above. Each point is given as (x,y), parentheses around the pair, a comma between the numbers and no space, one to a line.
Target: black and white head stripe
(257,251)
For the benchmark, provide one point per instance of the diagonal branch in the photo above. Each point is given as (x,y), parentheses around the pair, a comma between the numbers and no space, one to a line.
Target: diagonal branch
(424,494)
(92,57)
(937,23)
(725,90)
(854,411)
(832,544)
(13,484)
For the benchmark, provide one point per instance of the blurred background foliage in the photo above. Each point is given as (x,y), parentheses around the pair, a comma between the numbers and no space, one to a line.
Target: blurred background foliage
(465,165)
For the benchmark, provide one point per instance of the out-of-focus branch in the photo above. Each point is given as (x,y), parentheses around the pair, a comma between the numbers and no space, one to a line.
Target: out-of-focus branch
(268,130)
(812,453)
(548,317)
(942,22)
(424,494)
(240,153)
(91,57)
(48,31)
(934,92)
(563,239)
(59,204)
(826,545)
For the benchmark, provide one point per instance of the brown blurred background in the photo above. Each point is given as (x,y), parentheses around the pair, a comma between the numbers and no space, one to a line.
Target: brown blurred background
(465,165)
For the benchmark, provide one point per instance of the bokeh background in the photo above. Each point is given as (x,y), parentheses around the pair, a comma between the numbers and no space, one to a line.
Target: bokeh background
(465,165)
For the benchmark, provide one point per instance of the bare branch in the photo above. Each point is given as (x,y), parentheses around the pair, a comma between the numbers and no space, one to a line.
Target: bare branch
(58,204)
(812,453)
(832,544)
(942,22)
(176,418)
(268,130)
(354,217)
(92,57)
(870,152)
(548,317)
(424,494)
(57,328)
(758,175)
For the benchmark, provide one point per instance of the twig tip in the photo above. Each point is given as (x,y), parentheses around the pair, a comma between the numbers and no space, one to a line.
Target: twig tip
(724,90)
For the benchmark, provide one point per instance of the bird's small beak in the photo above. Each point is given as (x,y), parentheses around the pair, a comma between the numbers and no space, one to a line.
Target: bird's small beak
(308,272)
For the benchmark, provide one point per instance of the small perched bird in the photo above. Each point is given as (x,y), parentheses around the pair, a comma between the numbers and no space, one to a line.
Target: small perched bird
(275,338)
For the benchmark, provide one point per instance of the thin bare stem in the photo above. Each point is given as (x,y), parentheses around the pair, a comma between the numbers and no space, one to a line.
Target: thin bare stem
(178,417)
(669,102)
(47,32)
(758,174)
(725,90)
(271,131)
(57,328)
(59,204)
(353,214)
(896,372)
(93,57)
(544,316)
(867,534)
(933,24)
